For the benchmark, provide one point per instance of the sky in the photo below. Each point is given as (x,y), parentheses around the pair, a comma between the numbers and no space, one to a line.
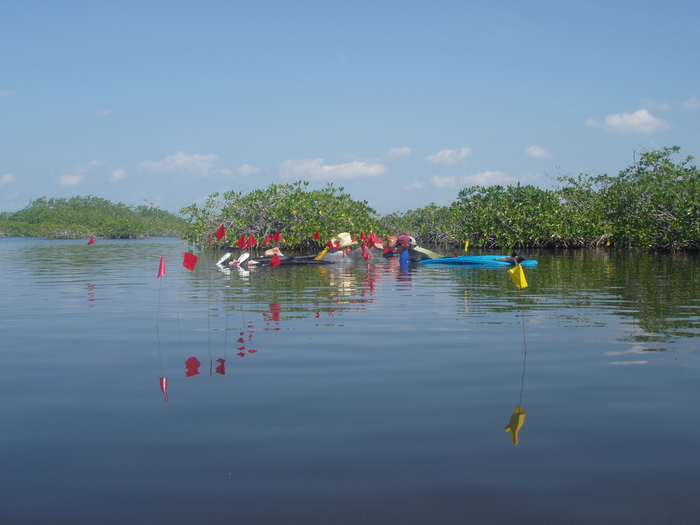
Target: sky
(402,104)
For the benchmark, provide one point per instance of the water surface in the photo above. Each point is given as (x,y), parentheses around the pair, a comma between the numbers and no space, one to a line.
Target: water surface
(367,394)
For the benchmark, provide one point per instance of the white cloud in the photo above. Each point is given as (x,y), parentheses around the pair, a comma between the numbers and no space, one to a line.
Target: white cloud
(103,113)
(662,106)
(400,152)
(71,180)
(450,156)
(197,165)
(538,152)
(83,168)
(13,196)
(8,178)
(640,121)
(315,169)
(413,186)
(692,104)
(490,178)
(444,182)
(7,93)
(485,178)
(247,169)
(117,174)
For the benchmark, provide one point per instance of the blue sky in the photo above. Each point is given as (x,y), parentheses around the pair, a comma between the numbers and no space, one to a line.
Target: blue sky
(401,103)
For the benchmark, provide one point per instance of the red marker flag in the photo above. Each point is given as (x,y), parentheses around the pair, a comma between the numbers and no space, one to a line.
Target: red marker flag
(241,242)
(164,387)
(192,367)
(161,267)
(267,238)
(354,238)
(209,239)
(362,236)
(189,261)
(91,241)
(275,261)
(251,241)
(316,236)
(276,237)
(220,233)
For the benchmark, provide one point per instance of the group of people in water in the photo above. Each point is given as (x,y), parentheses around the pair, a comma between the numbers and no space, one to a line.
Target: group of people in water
(345,249)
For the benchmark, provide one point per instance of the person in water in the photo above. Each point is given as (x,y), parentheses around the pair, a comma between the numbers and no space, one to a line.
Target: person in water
(515,258)
(403,243)
(343,246)
(390,249)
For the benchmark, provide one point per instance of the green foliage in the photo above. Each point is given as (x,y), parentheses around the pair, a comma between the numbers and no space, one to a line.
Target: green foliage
(653,204)
(84,216)
(288,208)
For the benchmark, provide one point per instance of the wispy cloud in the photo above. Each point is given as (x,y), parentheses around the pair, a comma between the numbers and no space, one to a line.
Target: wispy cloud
(6,179)
(6,93)
(413,186)
(117,174)
(485,178)
(84,168)
(13,196)
(662,106)
(692,104)
(399,152)
(316,169)
(103,113)
(640,121)
(247,169)
(197,165)
(538,152)
(450,156)
(71,180)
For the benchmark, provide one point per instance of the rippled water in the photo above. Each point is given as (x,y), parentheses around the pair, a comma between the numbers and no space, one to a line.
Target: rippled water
(345,395)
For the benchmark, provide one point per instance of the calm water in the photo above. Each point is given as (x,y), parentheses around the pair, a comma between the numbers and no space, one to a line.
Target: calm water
(357,395)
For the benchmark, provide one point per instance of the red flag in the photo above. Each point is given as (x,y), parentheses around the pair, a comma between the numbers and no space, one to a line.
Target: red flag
(241,242)
(330,245)
(192,367)
(267,238)
(209,239)
(220,233)
(251,241)
(189,261)
(365,254)
(221,369)
(161,268)
(275,261)
(276,237)
(362,236)
(91,241)
(354,238)
(164,387)
(316,236)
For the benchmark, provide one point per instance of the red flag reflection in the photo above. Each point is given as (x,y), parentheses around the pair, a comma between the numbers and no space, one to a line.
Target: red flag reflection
(221,368)
(192,367)
(164,387)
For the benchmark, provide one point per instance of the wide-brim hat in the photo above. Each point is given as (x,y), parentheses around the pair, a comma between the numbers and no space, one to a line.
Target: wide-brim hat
(344,240)
(391,241)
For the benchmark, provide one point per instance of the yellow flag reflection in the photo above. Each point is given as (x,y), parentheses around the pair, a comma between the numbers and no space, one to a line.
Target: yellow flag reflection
(516,421)
(518,277)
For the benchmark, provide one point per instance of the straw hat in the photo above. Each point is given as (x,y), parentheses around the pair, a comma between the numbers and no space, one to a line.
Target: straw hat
(345,240)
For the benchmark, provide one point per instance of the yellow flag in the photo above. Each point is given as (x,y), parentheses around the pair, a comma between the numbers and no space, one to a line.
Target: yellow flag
(318,257)
(518,277)
(466,246)
(515,424)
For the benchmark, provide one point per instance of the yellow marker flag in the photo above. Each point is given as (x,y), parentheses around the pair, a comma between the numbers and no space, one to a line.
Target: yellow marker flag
(318,257)
(515,424)
(518,277)
(466,246)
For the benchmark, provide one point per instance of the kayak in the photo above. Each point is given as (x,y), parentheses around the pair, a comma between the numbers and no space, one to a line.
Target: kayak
(477,260)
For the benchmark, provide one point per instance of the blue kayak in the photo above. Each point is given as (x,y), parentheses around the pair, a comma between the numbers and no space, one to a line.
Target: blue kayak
(478,260)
